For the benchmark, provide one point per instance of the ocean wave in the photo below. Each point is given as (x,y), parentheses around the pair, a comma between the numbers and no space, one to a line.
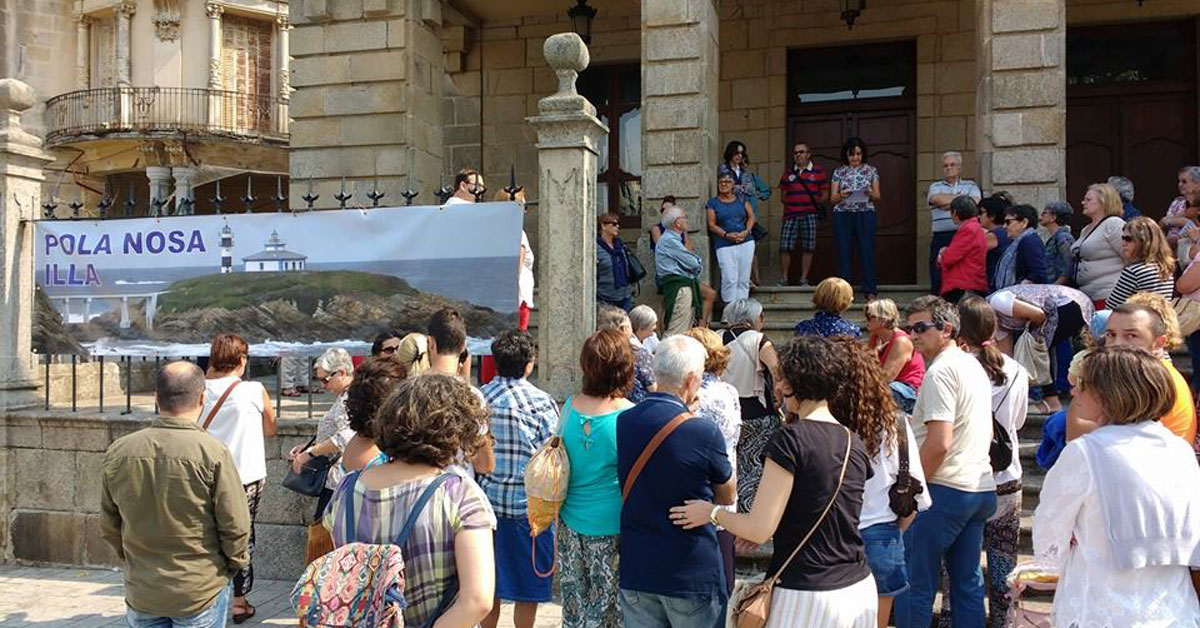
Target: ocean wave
(270,348)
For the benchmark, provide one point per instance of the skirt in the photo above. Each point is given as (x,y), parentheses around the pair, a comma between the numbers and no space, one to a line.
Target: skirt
(854,606)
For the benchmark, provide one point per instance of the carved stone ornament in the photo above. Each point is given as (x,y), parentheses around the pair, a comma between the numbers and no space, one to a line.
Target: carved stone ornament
(125,8)
(213,10)
(166,19)
(214,73)
(568,56)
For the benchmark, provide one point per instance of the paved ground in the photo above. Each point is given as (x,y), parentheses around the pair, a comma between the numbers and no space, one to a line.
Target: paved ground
(45,597)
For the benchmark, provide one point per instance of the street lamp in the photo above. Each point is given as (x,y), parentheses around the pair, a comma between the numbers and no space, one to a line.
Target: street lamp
(582,16)
(851,9)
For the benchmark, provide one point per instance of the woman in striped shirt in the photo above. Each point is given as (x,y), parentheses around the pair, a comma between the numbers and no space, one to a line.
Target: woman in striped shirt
(1150,265)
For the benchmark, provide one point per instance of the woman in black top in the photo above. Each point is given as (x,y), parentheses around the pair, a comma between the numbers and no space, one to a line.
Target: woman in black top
(828,583)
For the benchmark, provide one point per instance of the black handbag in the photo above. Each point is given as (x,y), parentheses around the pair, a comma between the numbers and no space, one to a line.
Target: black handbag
(902,496)
(310,481)
(1001,450)
(633,265)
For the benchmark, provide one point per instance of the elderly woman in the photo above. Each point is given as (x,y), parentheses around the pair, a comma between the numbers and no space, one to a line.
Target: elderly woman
(751,371)
(1188,184)
(1056,220)
(591,514)
(903,367)
(991,218)
(613,283)
(749,186)
(609,317)
(644,321)
(1118,510)
(832,298)
(814,464)
(1124,188)
(239,414)
(1024,261)
(449,565)
(854,192)
(1150,263)
(335,371)
(730,221)
(1097,252)
(718,402)
(964,262)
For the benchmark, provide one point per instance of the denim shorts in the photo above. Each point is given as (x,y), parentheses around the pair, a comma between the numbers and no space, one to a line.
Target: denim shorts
(885,557)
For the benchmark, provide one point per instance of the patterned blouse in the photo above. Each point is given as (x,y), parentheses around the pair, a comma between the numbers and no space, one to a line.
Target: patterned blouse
(429,567)
(829,326)
(643,374)
(1058,253)
(719,403)
(854,180)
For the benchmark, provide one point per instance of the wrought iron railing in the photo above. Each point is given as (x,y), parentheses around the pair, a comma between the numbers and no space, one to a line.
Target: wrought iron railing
(110,110)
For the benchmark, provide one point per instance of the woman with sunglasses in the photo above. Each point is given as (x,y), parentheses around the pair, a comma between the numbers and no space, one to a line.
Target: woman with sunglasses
(1150,265)
(1024,261)
(614,286)
(730,221)
(1097,252)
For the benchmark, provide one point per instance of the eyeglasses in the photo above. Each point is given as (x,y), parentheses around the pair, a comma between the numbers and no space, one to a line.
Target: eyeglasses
(388,350)
(610,222)
(920,328)
(1008,221)
(323,380)
(1126,238)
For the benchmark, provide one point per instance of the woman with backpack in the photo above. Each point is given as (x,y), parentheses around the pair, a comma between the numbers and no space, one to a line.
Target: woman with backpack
(449,564)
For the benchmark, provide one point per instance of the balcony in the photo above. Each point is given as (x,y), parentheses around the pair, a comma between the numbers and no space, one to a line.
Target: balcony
(116,112)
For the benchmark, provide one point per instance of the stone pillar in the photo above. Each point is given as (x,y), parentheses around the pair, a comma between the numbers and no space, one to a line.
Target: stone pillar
(215,110)
(125,10)
(184,185)
(680,76)
(82,49)
(160,184)
(568,140)
(1021,102)
(21,163)
(285,71)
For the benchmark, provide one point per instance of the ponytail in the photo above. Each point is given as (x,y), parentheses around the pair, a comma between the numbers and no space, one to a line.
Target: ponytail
(978,325)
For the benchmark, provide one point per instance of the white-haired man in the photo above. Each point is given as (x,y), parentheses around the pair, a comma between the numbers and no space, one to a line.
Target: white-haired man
(671,577)
(678,272)
(941,193)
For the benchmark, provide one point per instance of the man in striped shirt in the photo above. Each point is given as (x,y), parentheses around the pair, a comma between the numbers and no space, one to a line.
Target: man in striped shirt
(803,187)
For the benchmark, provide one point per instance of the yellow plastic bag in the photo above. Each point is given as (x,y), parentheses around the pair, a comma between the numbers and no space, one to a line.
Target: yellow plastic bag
(546,479)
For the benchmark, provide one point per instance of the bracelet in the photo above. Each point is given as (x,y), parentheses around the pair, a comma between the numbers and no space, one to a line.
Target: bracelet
(712,516)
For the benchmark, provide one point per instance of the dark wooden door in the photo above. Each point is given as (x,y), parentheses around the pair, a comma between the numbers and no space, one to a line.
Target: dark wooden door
(889,135)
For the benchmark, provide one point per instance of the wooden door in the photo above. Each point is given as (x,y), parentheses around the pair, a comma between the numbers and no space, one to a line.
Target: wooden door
(246,71)
(889,135)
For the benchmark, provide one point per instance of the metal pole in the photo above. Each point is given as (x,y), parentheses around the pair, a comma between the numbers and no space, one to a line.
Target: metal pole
(128,384)
(156,360)
(279,389)
(311,363)
(101,408)
(47,381)
(74,361)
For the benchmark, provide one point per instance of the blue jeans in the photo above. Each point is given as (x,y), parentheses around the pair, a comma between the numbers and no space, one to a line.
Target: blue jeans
(214,616)
(952,529)
(939,241)
(850,228)
(649,610)
(884,547)
(905,396)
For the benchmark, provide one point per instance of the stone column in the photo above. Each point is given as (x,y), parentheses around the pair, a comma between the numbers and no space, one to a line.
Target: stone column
(82,48)
(285,72)
(21,163)
(1021,102)
(214,11)
(680,76)
(160,184)
(184,185)
(568,139)
(125,10)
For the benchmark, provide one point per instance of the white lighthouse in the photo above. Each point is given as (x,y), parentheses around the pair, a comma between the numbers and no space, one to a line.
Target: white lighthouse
(226,250)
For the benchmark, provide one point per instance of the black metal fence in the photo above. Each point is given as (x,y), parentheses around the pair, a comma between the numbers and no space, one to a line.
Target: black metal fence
(178,109)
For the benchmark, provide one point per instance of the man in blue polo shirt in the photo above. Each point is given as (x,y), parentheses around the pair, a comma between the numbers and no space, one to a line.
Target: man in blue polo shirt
(671,577)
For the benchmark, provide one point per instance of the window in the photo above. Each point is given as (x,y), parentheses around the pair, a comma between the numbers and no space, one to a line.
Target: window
(616,91)
(1131,53)
(104,51)
(851,73)
(246,70)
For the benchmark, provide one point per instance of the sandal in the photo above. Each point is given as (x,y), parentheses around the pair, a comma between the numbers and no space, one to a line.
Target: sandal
(247,612)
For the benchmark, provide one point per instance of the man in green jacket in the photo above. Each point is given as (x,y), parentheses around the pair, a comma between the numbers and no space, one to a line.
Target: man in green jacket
(174,509)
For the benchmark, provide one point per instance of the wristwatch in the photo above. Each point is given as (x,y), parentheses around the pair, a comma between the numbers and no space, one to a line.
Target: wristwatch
(712,516)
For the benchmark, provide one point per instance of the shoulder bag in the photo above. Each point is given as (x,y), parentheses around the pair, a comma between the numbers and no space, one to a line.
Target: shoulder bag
(310,481)
(754,607)
(902,496)
(649,450)
(1001,450)
(822,211)
(633,265)
(1077,252)
(220,402)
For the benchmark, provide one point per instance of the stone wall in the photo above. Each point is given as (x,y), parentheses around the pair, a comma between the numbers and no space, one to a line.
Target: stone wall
(50,469)
(40,50)
(754,42)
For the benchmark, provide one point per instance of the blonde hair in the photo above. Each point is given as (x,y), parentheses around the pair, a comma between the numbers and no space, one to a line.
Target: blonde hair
(716,353)
(1130,384)
(884,311)
(1152,246)
(833,295)
(1110,199)
(413,352)
(1166,313)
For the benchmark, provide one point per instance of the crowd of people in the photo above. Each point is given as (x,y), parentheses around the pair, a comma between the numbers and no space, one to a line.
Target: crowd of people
(881,467)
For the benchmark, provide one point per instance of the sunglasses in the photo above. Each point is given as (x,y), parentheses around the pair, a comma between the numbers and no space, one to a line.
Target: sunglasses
(610,222)
(1127,238)
(920,328)
(323,380)
(1009,221)
(388,350)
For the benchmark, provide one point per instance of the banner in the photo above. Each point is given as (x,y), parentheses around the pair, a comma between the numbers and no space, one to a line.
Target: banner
(290,284)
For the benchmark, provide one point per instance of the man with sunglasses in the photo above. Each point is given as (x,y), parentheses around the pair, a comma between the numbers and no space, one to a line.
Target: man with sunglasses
(952,419)
(468,186)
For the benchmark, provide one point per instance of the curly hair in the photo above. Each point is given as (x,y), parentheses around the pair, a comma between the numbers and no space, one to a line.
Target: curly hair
(429,419)
(717,358)
(373,381)
(1151,246)
(812,366)
(863,402)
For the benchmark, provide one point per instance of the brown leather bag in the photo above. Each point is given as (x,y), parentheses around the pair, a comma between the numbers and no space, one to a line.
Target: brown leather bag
(754,607)
(649,450)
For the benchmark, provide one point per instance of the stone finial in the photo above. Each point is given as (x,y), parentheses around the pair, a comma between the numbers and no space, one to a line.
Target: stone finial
(568,56)
(15,98)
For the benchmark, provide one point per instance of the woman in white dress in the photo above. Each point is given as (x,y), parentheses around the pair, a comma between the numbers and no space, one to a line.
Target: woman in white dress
(1119,512)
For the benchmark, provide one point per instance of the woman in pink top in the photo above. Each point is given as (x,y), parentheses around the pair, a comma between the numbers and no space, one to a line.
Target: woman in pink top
(902,366)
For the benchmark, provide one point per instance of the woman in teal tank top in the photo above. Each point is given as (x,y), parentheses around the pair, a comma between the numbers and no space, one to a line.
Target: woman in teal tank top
(591,514)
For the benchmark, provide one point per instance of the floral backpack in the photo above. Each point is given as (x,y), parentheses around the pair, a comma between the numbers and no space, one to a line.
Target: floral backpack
(358,585)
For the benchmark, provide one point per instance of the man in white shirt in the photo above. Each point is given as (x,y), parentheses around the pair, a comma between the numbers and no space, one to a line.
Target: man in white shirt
(952,420)
(468,185)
